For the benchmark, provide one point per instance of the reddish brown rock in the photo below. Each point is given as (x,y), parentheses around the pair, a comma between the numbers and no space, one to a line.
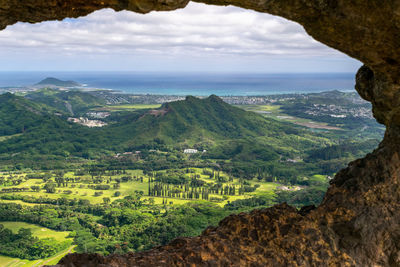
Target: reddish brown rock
(358,223)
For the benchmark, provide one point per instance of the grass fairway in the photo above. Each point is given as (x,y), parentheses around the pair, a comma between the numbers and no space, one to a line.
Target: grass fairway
(85,192)
(81,190)
(37,231)
(266,188)
(263,109)
(40,232)
(15,262)
(274,112)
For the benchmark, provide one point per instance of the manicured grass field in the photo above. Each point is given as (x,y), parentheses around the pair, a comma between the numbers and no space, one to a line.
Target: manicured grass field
(87,193)
(274,112)
(38,231)
(318,178)
(15,262)
(81,190)
(266,188)
(263,109)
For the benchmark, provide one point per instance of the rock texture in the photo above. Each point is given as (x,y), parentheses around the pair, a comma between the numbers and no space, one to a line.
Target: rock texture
(358,223)
(12,11)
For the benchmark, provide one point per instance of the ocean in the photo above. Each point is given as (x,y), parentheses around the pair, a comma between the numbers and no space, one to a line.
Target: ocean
(199,84)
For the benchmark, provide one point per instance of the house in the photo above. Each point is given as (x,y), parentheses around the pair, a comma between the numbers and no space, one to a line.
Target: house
(190,151)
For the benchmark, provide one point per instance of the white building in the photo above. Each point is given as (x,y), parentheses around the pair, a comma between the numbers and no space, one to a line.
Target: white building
(190,151)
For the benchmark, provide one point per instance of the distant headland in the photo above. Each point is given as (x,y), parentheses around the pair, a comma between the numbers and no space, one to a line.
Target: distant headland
(50,81)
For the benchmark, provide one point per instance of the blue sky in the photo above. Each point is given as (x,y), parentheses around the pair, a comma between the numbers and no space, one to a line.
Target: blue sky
(197,38)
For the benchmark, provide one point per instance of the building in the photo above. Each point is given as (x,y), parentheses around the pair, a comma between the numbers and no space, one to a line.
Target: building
(190,151)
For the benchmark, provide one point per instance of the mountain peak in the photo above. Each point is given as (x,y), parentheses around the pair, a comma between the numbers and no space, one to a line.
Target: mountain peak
(190,98)
(214,98)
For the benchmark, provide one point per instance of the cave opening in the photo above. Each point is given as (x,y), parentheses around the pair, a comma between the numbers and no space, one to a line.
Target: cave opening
(361,196)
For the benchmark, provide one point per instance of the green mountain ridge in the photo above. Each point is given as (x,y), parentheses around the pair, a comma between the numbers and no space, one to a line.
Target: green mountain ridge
(70,102)
(239,141)
(33,129)
(191,122)
(195,120)
(18,114)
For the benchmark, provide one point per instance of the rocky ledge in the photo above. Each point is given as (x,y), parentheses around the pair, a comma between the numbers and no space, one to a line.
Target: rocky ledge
(358,222)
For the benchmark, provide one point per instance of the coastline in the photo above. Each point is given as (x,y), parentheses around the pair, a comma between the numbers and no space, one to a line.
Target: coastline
(182,84)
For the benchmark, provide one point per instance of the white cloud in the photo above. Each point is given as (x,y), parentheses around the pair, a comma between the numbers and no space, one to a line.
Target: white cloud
(198,31)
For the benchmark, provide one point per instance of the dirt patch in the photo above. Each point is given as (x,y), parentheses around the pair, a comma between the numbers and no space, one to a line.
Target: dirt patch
(158,112)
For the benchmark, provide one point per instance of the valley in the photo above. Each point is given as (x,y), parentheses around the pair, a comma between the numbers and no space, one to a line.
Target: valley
(156,171)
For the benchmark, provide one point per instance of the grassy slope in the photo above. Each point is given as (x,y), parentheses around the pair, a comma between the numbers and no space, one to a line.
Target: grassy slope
(37,231)
(40,232)
(16,262)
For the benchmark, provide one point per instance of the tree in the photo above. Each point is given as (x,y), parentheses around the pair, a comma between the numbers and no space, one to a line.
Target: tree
(50,187)
(35,188)
(106,200)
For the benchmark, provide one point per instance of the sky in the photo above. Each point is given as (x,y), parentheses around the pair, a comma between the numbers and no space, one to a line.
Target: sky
(198,38)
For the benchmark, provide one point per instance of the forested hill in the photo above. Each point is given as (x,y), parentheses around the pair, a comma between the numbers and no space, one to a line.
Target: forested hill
(29,128)
(205,123)
(70,102)
(18,114)
(195,120)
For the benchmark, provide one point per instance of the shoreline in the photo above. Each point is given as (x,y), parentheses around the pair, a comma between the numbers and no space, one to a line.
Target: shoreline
(25,89)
